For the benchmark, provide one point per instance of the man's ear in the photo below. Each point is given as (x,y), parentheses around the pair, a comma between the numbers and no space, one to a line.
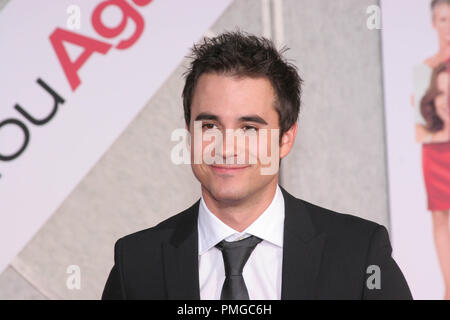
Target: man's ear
(287,140)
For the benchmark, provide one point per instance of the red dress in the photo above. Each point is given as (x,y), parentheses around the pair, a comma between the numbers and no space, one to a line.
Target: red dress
(436,172)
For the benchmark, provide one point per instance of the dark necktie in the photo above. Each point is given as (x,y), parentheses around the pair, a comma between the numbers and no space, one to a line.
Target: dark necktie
(235,254)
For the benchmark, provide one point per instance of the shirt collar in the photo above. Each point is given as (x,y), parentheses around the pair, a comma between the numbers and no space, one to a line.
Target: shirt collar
(269,226)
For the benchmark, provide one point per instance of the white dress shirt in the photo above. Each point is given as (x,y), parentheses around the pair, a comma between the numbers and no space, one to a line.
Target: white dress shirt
(263,270)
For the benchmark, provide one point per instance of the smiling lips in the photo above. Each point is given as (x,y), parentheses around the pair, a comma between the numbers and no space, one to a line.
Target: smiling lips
(220,168)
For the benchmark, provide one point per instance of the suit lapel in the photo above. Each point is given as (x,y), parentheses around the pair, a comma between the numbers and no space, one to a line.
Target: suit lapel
(302,251)
(180,257)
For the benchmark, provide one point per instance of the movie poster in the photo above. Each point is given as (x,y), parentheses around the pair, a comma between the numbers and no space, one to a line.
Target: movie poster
(416,62)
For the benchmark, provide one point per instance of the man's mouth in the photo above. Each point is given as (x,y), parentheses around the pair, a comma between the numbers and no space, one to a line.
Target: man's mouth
(223,168)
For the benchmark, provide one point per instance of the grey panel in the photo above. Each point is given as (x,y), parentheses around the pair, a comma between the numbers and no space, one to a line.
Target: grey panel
(241,14)
(14,287)
(339,157)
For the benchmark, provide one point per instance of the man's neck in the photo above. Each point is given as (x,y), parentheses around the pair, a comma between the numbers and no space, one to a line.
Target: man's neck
(238,215)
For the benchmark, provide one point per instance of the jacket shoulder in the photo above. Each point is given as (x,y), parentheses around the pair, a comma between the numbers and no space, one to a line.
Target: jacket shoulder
(327,220)
(328,217)
(340,224)
(342,227)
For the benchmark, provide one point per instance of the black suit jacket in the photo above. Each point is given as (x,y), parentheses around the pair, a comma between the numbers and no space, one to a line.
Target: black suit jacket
(325,256)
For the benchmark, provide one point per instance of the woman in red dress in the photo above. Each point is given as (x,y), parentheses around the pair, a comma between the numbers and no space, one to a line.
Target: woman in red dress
(435,109)
(435,138)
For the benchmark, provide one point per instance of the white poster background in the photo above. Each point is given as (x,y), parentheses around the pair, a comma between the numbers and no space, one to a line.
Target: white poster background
(408,39)
(114,87)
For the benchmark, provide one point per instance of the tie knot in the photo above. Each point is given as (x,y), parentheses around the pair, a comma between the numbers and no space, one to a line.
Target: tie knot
(236,253)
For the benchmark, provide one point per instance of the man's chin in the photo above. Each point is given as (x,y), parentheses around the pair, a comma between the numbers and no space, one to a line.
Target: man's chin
(228,194)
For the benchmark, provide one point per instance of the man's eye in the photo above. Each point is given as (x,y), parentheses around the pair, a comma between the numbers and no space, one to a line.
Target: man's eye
(208,126)
(250,129)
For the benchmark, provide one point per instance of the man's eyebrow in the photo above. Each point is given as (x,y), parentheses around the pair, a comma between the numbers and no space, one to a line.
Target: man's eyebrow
(253,118)
(206,116)
(250,118)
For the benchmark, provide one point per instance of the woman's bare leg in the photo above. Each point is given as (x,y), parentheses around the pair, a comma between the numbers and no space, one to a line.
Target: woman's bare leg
(441,234)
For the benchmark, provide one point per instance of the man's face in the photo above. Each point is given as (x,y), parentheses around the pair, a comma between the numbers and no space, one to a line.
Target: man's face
(245,104)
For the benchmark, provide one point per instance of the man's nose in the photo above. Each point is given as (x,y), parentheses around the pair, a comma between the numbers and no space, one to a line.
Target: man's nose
(229,149)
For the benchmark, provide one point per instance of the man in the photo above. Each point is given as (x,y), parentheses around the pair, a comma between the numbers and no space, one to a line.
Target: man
(247,237)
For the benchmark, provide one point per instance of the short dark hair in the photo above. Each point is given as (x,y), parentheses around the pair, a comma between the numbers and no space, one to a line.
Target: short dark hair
(427,106)
(240,54)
